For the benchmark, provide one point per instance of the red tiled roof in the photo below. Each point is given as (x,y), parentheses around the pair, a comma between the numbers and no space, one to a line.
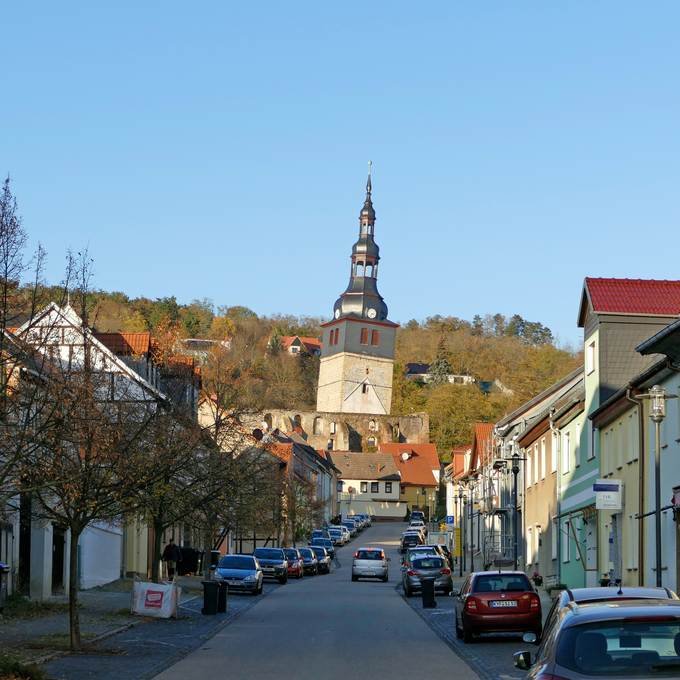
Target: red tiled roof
(634,296)
(311,344)
(482,442)
(126,343)
(417,469)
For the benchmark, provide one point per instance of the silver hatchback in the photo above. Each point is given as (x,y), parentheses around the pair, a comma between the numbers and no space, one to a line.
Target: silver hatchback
(370,563)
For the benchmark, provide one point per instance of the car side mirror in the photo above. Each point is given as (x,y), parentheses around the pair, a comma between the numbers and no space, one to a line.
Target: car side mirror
(530,638)
(455,593)
(522,660)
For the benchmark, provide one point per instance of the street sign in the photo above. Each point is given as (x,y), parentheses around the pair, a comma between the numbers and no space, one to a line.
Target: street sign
(449,519)
(608,494)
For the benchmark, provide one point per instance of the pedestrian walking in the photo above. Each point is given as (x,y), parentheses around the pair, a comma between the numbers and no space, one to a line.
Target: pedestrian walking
(172,556)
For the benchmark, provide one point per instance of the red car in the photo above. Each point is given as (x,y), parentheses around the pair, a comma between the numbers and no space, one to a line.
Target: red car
(497,601)
(295,564)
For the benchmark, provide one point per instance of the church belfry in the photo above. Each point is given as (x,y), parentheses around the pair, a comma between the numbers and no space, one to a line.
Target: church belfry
(357,358)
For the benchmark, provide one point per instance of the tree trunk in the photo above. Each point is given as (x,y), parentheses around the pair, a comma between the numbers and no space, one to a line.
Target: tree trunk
(157,548)
(73,616)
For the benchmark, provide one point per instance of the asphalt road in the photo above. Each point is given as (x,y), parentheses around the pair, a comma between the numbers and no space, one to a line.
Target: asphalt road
(328,627)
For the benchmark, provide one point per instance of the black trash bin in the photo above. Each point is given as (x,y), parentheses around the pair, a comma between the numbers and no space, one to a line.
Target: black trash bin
(222,597)
(427,591)
(210,596)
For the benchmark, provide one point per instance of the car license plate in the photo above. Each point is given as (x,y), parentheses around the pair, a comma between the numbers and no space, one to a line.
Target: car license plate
(234,582)
(504,603)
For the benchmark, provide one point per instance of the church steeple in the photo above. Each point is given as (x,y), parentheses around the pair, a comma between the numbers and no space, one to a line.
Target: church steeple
(361,298)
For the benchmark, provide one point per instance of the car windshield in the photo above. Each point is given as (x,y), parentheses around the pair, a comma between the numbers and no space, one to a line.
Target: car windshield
(410,539)
(335,532)
(292,554)
(369,555)
(427,563)
(236,562)
(306,552)
(269,553)
(629,647)
(319,551)
(493,583)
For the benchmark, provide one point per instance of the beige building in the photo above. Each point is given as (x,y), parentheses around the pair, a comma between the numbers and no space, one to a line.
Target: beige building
(368,483)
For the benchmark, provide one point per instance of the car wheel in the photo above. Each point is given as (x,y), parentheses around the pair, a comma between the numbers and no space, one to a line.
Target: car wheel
(467,636)
(283,579)
(385,578)
(355,578)
(459,632)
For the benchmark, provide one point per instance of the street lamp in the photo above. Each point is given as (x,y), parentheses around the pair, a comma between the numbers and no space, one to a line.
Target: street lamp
(461,529)
(657,412)
(515,471)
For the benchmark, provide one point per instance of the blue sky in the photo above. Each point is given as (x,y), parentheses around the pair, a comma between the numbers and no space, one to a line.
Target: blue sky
(219,149)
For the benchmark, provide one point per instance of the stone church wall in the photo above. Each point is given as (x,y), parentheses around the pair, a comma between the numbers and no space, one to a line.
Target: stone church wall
(348,431)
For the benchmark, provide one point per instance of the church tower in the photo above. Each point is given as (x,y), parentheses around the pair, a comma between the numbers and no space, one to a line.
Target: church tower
(357,358)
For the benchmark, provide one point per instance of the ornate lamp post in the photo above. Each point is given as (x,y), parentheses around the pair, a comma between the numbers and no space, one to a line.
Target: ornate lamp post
(461,528)
(515,471)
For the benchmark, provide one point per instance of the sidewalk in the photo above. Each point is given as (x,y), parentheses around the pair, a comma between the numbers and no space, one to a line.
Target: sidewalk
(131,647)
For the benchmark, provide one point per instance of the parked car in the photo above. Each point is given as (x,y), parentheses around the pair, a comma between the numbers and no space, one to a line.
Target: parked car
(447,553)
(323,559)
(337,536)
(418,567)
(421,551)
(310,564)
(295,566)
(345,531)
(419,525)
(629,639)
(497,601)
(417,514)
(370,563)
(368,521)
(273,562)
(608,594)
(240,572)
(320,533)
(408,540)
(324,543)
(351,525)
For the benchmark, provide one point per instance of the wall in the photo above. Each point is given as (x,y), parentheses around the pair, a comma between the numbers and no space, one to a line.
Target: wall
(100,550)
(352,431)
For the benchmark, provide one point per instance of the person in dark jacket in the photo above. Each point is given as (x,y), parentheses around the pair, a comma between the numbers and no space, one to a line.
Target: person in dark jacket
(172,555)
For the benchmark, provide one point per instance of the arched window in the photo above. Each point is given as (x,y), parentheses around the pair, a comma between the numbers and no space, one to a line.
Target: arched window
(369,270)
(333,428)
(318,425)
(360,269)
(371,441)
(372,425)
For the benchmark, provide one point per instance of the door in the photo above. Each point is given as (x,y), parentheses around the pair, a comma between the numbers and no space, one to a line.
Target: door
(591,553)
(58,543)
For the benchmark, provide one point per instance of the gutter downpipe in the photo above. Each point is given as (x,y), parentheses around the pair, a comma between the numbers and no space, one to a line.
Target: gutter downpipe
(558,491)
(641,482)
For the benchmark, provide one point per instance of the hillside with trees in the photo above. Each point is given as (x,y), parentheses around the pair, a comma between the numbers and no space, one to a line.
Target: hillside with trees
(519,355)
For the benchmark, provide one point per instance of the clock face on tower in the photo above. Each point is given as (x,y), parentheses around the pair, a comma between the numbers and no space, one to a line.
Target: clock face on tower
(371,313)
(337,313)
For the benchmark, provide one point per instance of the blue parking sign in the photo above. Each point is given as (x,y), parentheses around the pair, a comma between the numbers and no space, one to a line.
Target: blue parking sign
(449,519)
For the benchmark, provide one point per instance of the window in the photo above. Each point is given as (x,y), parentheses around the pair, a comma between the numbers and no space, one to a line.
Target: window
(530,545)
(543,448)
(553,540)
(364,336)
(375,338)
(371,442)
(590,358)
(632,543)
(566,452)
(375,487)
(332,428)
(340,486)
(566,543)
(372,425)
(388,487)
(329,445)
(318,425)
(554,445)
(536,462)
(537,545)
(528,468)
(294,350)
(364,487)
(364,388)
